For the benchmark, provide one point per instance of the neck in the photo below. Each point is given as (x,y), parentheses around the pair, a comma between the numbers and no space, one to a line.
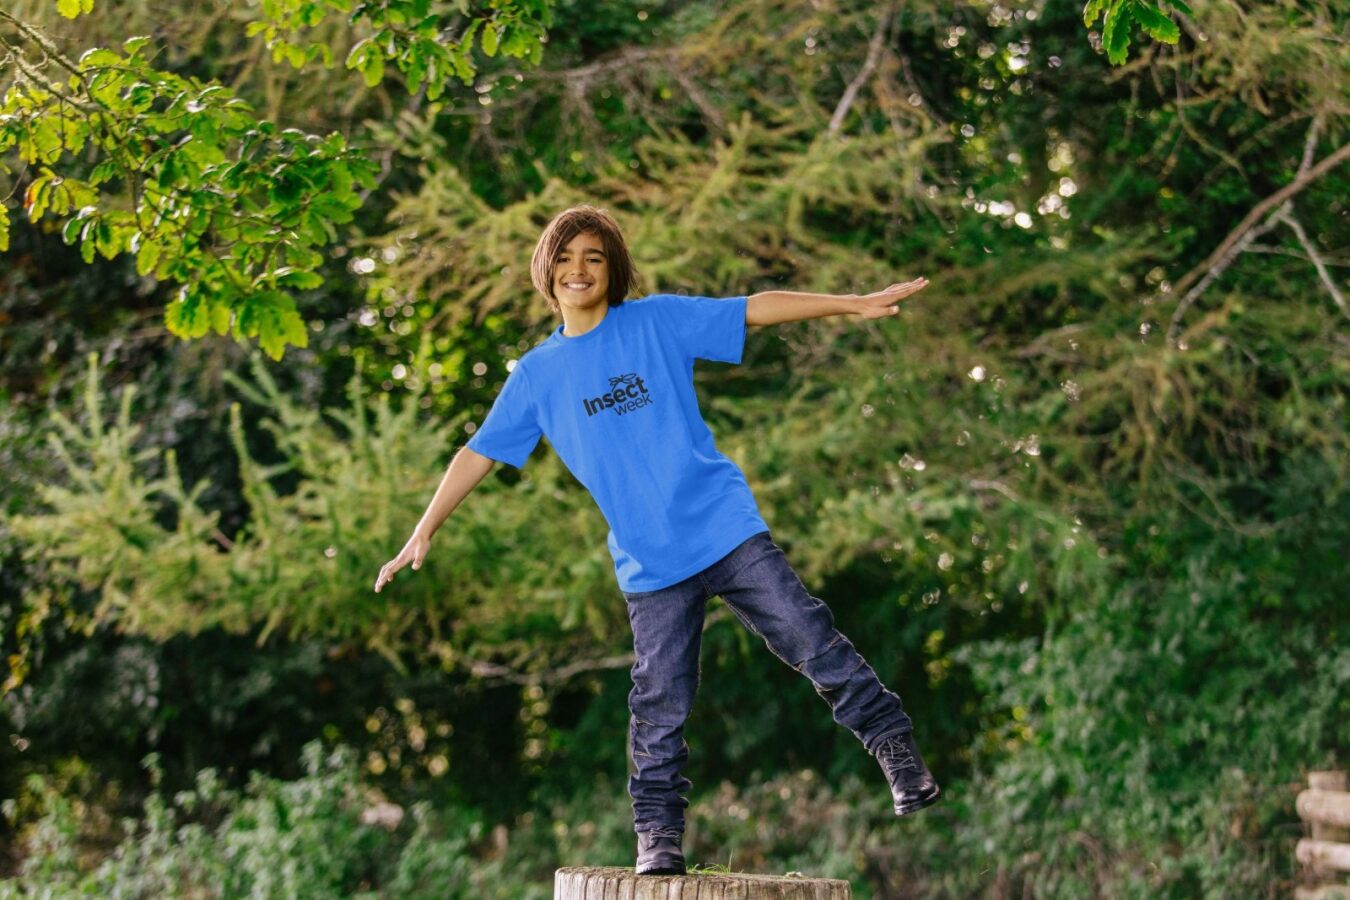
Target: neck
(577,322)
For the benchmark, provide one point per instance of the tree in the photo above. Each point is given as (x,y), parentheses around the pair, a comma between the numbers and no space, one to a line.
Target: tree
(208,196)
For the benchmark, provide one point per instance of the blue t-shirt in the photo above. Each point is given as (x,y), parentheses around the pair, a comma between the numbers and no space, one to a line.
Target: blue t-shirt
(618,406)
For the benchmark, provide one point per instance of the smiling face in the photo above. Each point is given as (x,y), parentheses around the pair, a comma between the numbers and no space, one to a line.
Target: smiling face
(581,272)
(583,243)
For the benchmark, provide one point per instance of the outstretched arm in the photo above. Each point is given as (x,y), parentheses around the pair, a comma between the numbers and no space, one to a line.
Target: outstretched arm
(775,307)
(467,468)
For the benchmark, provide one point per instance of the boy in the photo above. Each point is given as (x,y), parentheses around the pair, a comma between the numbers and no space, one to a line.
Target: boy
(612,387)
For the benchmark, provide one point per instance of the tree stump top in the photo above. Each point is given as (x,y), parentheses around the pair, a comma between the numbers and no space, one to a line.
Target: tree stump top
(613,883)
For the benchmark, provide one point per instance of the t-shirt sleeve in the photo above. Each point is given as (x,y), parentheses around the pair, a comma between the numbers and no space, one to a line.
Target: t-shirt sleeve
(511,430)
(706,327)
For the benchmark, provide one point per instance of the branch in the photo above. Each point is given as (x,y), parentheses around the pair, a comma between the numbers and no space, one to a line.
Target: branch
(1310,143)
(914,86)
(497,672)
(1288,218)
(1304,177)
(1230,253)
(1245,242)
(1240,237)
(1194,478)
(550,676)
(983,484)
(1195,135)
(1286,251)
(47,46)
(1041,345)
(870,64)
(710,112)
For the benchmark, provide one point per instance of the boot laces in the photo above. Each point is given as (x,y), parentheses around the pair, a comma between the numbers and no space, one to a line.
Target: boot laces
(664,831)
(895,754)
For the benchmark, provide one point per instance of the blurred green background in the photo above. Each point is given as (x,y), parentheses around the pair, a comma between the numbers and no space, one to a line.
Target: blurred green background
(1083,504)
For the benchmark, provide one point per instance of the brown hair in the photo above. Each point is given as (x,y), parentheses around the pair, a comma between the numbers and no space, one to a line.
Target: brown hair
(623,276)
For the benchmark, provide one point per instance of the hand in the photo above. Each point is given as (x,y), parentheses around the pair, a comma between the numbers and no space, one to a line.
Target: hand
(413,552)
(884,303)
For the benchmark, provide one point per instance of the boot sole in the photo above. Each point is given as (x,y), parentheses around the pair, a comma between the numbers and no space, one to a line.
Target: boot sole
(666,863)
(918,804)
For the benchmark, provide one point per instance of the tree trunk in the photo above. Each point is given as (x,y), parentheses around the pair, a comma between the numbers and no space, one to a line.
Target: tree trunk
(611,883)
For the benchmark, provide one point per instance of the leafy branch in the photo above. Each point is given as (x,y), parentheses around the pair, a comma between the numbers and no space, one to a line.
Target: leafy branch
(226,205)
(428,42)
(1118,17)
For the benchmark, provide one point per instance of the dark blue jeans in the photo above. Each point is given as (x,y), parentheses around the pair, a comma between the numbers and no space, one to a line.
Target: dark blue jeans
(761,589)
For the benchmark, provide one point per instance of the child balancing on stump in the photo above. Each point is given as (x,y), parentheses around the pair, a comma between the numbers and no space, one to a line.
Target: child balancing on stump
(613,389)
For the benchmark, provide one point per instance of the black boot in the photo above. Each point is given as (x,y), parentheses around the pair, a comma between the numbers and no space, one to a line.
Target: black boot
(659,852)
(912,785)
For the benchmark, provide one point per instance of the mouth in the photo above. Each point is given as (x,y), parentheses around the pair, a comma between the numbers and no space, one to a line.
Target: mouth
(577,286)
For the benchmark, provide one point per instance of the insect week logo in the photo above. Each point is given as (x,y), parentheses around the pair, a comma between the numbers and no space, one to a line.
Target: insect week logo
(626,393)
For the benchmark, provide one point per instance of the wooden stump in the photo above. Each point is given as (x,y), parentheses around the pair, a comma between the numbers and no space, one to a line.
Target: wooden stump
(610,883)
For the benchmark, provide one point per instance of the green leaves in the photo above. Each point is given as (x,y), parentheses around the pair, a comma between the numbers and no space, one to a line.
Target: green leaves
(490,41)
(212,198)
(147,255)
(208,195)
(366,58)
(1155,23)
(272,317)
(404,35)
(192,314)
(71,9)
(49,191)
(1122,15)
(268,315)
(1116,34)
(97,56)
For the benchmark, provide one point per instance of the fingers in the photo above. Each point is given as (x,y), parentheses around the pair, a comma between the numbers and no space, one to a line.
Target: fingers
(903,288)
(414,551)
(912,286)
(388,570)
(882,303)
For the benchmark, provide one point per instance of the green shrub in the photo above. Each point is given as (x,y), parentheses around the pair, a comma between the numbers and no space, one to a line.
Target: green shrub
(298,839)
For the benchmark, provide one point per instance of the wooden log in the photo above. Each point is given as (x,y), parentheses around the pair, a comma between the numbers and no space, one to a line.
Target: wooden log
(1325,892)
(1323,855)
(1320,805)
(1325,808)
(612,883)
(1326,782)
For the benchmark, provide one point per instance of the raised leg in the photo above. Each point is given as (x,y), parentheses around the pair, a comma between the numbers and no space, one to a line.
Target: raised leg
(763,591)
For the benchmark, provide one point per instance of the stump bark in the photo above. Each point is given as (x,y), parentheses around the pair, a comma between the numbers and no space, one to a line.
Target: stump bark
(611,883)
